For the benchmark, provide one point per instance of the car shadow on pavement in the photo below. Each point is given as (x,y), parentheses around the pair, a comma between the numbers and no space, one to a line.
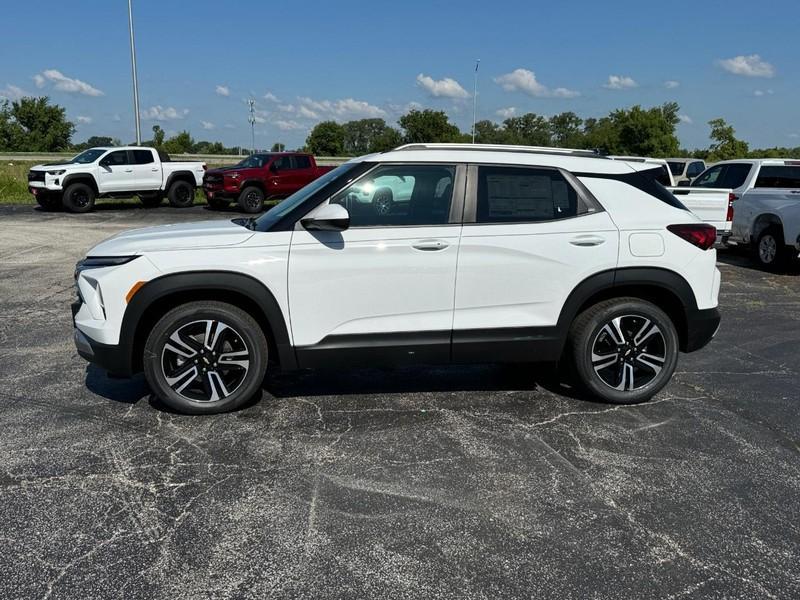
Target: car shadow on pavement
(742,257)
(126,391)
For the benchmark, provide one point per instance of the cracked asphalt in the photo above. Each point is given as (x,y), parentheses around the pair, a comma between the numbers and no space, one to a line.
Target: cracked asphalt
(462,482)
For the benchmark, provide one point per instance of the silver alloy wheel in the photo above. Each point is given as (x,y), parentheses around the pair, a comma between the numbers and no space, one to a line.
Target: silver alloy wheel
(767,248)
(629,352)
(382,203)
(205,361)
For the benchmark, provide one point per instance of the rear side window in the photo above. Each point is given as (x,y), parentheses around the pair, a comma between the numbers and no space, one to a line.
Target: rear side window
(163,156)
(302,162)
(778,177)
(663,176)
(710,178)
(142,157)
(522,195)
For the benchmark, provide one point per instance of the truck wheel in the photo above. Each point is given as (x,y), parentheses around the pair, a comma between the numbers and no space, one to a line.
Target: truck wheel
(205,357)
(78,198)
(251,200)
(181,194)
(770,251)
(624,350)
(151,200)
(382,202)
(217,204)
(48,202)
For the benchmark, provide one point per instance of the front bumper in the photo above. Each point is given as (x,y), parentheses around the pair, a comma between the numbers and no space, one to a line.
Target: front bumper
(110,357)
(701,327)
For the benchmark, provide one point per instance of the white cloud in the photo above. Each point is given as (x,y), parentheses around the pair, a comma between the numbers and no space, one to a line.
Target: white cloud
(208,125)
(794,135)
(288,125)
(271,97)
(229,126)
(347,108)
(161,113)
(12,92)
(223,90)
(763,93)
(748,66)
(441,88)
(65,84)
(672,84)
(83,120)
(620,82)
(523,80)
(506,113)
(685,119)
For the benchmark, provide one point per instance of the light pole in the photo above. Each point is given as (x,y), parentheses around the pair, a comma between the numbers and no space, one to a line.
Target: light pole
(135,80)
(475,99)
(252,120)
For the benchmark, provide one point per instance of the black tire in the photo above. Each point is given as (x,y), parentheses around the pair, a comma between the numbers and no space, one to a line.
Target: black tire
(609,365)
(191,380)
(78,198)
(151,200)
(770,250)
(251,200)
(382,201)
(181,194)
(217,204)
(48,202)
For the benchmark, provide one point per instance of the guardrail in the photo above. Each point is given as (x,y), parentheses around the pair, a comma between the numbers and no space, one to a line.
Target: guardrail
(209,158)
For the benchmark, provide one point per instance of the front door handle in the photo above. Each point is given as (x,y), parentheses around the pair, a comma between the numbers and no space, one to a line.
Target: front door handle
(587,240)
(154,170)
(129,170)
(430,245)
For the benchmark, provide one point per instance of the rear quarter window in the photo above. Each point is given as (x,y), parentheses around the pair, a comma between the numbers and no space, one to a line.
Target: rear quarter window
(778,177)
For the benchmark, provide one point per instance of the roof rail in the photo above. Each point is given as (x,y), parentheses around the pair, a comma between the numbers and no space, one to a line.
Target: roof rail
(593,153)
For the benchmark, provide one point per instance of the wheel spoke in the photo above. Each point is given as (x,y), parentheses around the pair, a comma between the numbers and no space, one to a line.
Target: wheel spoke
(654,363)
(183,379)
(213,331)
(648,329)
(229,359)
(216,386)
(602,361)
(181,345)
(626,377)
(614,329)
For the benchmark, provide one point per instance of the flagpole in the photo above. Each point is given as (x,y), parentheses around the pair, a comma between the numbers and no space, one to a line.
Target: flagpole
(475,99)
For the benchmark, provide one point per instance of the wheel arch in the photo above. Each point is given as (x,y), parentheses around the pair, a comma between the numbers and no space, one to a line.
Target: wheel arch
(257,183)
(762,222)
(86,178)
(666,289)
(157,297)
(186,176)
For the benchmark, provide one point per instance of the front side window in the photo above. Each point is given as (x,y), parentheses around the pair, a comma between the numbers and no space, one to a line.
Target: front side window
(710,178)
(778,177)
(400,195)
(282,163)
(143,157)
(735,175)
(116,159)
(514,195)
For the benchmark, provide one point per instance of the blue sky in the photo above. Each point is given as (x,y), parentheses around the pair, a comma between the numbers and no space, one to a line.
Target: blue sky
(304,62)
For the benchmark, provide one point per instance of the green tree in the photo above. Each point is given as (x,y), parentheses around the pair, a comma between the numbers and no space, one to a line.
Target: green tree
(488,132)
(428,126)
(360,136)
(158,136)
(389,138)
(565,130)
(278,147)
(649,132)
(528,130)
(724,144)
(181,143)
(34,125)
(326,139)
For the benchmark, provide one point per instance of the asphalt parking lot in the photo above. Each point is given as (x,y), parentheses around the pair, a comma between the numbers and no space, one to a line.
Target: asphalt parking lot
(462,482)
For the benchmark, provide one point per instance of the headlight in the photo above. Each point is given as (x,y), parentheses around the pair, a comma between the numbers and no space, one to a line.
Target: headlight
(97,262)
(234,176)
(59,172)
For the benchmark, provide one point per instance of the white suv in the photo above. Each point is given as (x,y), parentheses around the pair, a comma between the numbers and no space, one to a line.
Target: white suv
(500,254)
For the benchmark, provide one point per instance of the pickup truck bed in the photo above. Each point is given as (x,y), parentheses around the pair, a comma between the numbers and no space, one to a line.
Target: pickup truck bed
(710,204)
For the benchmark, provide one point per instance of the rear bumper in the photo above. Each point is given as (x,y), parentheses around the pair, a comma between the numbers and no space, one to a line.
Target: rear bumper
(701,327)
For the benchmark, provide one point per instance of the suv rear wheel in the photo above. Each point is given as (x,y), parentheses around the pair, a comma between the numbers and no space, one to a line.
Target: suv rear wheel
(625,350)
(205,357)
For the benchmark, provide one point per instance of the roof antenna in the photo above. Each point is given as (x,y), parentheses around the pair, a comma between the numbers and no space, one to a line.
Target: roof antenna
(475,98)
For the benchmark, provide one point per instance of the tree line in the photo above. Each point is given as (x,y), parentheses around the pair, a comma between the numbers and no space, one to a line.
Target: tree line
(36,125)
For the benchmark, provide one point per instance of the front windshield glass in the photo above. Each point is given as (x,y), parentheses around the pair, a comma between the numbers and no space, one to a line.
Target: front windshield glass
(255,161)
(88,156)
(277,212)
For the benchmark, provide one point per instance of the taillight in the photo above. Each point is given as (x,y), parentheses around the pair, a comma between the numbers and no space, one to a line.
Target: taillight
(701,235)
(731,198)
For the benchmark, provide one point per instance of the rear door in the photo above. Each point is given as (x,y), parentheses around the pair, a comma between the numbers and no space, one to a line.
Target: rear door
(146,170)
(303,170)
(115,172)
(530,236)
(283,177)
(385,285)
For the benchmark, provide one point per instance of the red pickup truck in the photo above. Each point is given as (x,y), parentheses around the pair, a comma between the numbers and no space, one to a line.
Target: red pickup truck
(259,177)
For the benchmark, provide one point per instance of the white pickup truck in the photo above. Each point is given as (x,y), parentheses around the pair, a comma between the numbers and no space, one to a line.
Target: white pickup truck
(714,206)
(115,172)
(766,199)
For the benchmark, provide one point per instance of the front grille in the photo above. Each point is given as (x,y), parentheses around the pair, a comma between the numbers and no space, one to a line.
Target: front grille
(213,179)
(35,175)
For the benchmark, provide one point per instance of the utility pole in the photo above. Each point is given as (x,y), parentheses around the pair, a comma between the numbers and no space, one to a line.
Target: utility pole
(252,120)
(135,80)
(475,99)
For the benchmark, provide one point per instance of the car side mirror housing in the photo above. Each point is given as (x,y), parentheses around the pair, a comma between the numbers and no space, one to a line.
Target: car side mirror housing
(331,217)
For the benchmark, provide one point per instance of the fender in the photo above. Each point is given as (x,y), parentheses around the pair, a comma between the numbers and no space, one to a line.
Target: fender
(186,176)
(87,178)
(254,182)
(198,281)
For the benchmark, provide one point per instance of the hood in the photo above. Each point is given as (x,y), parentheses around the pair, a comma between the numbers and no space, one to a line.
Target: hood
(221,170)
(53,166)
(188,236)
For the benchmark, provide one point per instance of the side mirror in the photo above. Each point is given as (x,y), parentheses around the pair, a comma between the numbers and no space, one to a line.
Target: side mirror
(332,217)
(685,183)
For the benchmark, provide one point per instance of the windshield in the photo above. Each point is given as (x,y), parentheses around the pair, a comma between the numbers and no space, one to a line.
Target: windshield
(88,156)
(255,161)
(277,212)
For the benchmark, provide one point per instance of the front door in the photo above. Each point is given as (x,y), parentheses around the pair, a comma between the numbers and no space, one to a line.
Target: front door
(115,173)
(383,288)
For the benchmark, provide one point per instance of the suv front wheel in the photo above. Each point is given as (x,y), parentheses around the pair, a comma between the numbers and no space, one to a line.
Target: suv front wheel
(625,350)
(205,357)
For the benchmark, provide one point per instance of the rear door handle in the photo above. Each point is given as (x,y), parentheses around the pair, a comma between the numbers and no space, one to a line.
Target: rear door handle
(587,240)
(430,245)
(154,170)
